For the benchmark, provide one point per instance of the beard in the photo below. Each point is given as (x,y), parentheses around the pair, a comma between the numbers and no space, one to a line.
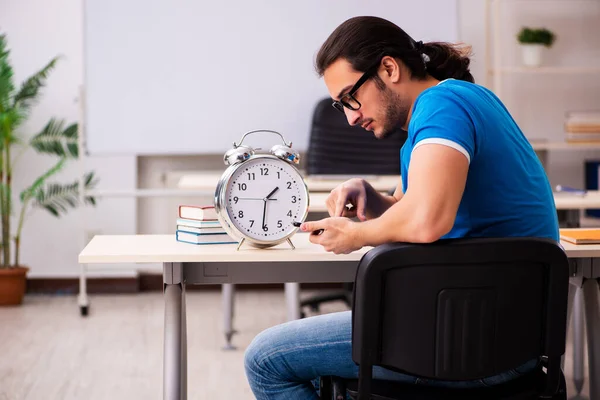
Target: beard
(395,113)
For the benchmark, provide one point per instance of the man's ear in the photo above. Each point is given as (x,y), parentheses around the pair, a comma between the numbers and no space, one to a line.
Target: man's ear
(391,68)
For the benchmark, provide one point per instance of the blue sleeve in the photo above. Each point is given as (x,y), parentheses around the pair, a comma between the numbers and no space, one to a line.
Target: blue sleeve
(440,114)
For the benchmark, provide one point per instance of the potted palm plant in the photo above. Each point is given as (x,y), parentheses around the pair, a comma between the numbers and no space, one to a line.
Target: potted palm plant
(533,41)
(56,140)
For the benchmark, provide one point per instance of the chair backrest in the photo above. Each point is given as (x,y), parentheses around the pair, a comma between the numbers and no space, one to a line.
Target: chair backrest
(335,147)
(460,309)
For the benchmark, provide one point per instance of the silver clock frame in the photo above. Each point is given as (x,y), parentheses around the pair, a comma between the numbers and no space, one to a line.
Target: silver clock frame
(220,202)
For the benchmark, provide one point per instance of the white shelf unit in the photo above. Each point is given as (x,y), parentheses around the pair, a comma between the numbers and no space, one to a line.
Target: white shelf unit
(495,70)
(558,70)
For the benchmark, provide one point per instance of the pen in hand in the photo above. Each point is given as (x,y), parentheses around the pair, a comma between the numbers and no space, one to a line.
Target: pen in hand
(317,232)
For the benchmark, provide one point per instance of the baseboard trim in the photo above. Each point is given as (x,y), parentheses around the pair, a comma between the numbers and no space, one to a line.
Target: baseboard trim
(71,285)
(144,282)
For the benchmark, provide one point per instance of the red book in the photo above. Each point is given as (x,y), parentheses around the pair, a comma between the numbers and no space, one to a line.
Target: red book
(198,213)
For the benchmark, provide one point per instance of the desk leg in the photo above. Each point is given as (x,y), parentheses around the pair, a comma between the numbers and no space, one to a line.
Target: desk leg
(572,291)
(183,344)
(578,339)
(292,299)
(175,346)
(82,299)
(591,296)
(228,295)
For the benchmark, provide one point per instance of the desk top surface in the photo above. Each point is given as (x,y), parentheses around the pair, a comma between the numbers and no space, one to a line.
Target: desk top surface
(164,248)
(565,201)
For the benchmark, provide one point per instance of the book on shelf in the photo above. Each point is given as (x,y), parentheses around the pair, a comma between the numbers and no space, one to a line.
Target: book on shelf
(583,138)
(583,126)
(580,236)
(197,213)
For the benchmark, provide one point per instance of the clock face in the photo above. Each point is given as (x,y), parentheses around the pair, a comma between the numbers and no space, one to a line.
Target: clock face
(264,196)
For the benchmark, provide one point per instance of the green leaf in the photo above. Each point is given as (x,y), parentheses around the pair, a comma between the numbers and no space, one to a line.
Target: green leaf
(39,182)
(53,139)
(30,89)
(541,36)
(9,120)
(6,76)
(57,198)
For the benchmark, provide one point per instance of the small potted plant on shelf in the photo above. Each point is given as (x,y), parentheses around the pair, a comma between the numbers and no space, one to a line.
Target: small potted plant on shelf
(54,140)
(533,41)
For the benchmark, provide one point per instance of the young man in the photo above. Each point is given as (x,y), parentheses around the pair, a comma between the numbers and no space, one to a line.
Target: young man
(467,171)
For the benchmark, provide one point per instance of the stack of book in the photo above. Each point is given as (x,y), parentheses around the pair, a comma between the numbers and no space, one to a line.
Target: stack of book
(199,225)
(583,126)
(580,236)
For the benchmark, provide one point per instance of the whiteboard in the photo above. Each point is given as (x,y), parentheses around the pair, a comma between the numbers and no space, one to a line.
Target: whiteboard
(192,76)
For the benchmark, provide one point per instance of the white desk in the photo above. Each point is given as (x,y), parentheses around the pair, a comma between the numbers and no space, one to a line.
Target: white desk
(218,264)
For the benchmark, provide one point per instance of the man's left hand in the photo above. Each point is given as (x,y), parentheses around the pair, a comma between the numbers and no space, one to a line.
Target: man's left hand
(339,234)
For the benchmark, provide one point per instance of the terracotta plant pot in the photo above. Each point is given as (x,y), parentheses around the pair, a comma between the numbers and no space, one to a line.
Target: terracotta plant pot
(12,285)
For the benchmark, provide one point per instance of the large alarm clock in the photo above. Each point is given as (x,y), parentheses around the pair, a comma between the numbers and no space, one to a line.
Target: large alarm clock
(260,196)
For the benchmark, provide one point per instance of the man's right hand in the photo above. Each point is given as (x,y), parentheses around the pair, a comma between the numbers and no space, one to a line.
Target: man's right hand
(354,192)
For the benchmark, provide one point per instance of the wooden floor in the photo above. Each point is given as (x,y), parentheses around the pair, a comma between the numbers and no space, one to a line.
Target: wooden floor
(49,352)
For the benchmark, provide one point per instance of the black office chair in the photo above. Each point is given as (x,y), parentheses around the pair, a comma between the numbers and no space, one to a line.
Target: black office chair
(335,147)
(459,310)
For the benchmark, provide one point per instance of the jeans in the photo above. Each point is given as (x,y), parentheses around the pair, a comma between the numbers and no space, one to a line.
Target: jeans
(282,362)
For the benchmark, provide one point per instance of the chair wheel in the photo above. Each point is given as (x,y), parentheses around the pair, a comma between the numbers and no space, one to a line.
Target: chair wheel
(83,310)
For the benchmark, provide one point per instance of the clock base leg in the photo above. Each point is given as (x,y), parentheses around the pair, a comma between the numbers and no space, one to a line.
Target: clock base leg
(240,245)
(291,244)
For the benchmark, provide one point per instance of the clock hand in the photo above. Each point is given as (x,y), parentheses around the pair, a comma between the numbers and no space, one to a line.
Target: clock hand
(264,214)
(272,193)
(264,225)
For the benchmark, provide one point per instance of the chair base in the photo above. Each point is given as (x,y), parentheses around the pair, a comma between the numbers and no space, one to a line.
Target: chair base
(344,295)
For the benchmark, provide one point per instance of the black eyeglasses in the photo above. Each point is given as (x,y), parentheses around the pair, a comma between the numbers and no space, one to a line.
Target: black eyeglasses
(348,100)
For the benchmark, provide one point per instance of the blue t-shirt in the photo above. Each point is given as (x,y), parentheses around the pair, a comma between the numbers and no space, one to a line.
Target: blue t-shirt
(507,192)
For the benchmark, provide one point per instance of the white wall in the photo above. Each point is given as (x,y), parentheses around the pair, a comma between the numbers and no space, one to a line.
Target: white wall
(39,29)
